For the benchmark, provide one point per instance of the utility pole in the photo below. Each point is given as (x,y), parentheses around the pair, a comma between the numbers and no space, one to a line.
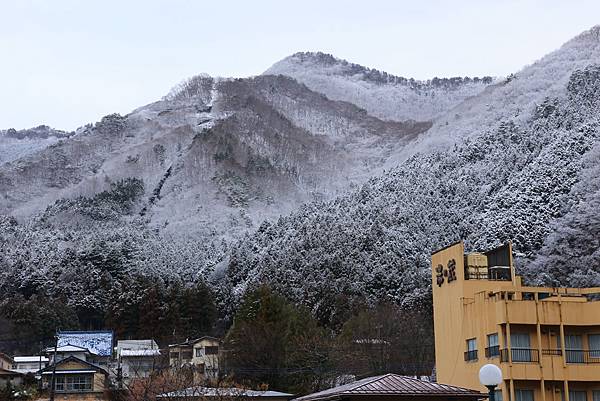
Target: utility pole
(52,380)
(40,366)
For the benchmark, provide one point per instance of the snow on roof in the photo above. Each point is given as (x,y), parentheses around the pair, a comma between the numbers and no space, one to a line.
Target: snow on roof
(69,372)
(97,342)
(223,392)
(140,352)
(32,358)
(67,348)
(136,343)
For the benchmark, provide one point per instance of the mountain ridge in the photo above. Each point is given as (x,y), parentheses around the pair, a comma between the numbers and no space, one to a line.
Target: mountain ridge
(382,94)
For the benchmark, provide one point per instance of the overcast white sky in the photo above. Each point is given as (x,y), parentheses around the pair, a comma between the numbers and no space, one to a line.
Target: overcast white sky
(66,63)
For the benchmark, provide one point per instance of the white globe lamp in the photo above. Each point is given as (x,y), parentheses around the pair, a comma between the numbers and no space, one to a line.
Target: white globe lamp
(490,376)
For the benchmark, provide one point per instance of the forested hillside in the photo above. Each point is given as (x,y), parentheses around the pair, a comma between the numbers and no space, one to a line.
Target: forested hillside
(508,184)
(225,185)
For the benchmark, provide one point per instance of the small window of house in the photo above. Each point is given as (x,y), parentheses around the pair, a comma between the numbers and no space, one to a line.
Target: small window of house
(214,350)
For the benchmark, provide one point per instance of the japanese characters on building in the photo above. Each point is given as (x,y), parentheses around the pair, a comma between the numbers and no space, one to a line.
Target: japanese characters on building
(448,273)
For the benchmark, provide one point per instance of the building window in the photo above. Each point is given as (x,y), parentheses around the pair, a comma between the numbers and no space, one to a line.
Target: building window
(573,348)
(186,355)
(142,365)
(493,348)
(498,395)
(471,353)
(199,352)
(73,383)
(575,395)
(594,342)
(596,395)
(214,350)
(174,355)
(523,395)
(520,347)
(59,383)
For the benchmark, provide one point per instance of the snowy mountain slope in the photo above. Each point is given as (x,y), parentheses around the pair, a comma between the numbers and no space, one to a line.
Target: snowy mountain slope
(509,183)
(16,144)
(215,156)
(514,98)
(383,95)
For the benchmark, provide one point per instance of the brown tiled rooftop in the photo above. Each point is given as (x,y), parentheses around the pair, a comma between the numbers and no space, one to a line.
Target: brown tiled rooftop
(393,385)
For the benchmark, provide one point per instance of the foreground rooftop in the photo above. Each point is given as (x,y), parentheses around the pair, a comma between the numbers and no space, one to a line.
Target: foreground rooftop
(393,385)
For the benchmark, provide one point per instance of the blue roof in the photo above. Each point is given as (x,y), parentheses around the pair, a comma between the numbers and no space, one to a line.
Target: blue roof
(97,342)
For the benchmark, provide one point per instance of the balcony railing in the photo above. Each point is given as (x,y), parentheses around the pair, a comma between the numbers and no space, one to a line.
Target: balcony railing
(493,351)
(471,355)
(526,355)
(576,356)
(582,356)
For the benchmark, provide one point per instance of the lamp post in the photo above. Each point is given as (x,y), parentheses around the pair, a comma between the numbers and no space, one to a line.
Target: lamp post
(490,376)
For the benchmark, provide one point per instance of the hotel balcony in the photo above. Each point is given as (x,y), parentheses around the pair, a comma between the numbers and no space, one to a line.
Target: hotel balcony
(527,363)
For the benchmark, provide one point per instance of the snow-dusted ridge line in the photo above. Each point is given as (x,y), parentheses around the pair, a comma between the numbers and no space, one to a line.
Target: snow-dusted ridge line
(383,95)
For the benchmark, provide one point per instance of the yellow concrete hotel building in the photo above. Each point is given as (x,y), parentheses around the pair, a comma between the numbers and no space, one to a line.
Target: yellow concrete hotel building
(546,341)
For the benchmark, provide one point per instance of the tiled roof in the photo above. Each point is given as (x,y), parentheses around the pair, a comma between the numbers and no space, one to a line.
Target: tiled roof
(73,359)
(394,385)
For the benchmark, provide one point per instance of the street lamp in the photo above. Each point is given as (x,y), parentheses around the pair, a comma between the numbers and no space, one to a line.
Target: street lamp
(490,376)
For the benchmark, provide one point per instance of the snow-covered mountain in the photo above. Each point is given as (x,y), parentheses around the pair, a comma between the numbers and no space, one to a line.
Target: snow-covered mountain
(328,193)
(518,162)
(215,156)
(383,95)
(15,144)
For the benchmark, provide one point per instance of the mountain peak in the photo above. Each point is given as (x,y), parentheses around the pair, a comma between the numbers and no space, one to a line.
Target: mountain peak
(336,66)
(383,95)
